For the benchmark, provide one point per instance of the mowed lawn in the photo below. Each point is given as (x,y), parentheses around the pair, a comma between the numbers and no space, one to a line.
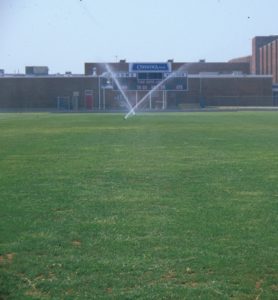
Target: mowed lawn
(160,206)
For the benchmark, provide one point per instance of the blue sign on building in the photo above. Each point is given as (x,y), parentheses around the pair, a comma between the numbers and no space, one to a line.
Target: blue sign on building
(150,67)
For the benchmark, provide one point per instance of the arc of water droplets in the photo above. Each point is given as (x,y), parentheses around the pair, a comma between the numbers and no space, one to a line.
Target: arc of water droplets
(131,110)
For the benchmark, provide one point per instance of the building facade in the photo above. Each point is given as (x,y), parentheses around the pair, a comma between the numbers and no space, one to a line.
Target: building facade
(245,81)
(265,56)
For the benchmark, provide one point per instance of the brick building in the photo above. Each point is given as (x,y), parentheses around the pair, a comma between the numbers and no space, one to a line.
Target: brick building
(202,90)
(265,56)
(244,81)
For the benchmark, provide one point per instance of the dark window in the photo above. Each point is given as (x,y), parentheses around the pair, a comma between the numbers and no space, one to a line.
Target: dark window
(157,76)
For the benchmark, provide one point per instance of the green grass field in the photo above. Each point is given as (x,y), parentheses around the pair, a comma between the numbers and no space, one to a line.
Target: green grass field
(160,206)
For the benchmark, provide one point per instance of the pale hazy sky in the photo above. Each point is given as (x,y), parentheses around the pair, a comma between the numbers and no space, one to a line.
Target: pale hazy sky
(63,34)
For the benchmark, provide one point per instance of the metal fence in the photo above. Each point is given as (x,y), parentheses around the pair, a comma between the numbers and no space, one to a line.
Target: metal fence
(113,101)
